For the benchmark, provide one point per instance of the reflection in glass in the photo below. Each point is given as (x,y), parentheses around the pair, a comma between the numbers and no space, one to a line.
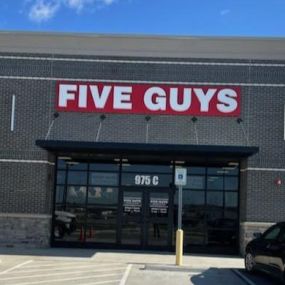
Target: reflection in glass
(231,183)
(195,182)
(231,200)
(131,233)
(102,195)
(69,224)
(77,177)
(59,194)
(74,165)
(214,199)
(101,224)
(103,178)
(60,178)
(76,194)
(157,234)
(196,170)
(139,168)
(104,166)
(215,182)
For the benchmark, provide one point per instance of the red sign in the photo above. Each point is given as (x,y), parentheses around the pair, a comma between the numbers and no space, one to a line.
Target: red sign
(160,99)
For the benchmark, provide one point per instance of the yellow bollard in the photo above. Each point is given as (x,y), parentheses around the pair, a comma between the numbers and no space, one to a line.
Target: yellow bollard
(179,247)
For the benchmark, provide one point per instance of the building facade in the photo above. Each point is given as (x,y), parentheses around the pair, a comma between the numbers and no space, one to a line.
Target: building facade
(93,128)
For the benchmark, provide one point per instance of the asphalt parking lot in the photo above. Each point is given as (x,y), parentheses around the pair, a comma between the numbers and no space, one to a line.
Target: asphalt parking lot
(86,267)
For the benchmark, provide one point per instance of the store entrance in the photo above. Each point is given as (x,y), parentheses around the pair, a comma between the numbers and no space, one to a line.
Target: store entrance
(146,219)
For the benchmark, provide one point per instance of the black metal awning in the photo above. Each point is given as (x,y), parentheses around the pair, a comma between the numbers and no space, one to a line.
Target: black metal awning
(160,151)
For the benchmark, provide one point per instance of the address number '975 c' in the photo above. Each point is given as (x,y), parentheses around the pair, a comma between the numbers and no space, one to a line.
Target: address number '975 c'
(146,180)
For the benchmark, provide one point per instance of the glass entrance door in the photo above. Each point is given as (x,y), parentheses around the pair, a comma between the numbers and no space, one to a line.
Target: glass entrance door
(146,221)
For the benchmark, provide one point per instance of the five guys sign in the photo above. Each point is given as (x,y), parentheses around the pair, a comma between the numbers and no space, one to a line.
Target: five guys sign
(162,99)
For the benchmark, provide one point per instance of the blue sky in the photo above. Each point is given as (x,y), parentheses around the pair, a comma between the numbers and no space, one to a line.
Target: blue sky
(158,17)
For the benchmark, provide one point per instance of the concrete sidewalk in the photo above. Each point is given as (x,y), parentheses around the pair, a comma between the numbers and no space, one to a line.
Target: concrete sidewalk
(131,257)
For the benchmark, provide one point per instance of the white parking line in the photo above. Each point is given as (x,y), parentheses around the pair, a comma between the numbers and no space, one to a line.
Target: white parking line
(66,279)
(38,265)
(243,277)
(61,273)
(126,275)
(101,282)
(15,267)
(61,268)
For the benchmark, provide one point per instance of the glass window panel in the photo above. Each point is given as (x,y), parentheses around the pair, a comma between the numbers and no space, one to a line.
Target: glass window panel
(272,233)
(214,199)
(74,165)
(158,204)
(103,178)
(104,166)
(215,183)
(157,234)
(231,170)
(61,164)
(231,200)
(196,170)
(77,177)
(76,195)
(102,195)
(146,168)
(195,182)
(132,203)
(215,171)
(60,179)
(59,194)
(131,233)
(68,225)
(231,183)
(191,197)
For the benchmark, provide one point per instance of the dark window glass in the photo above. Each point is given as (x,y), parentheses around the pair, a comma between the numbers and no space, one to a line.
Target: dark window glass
(191,197)
(146,168)
(272,233)
(231,183)
(231,170)
(216,171)
(104,166)
(61,164)
(196,170)
(73,165)
(158,204)
(231,200)
(59,194)
(60,179)
(102,195)
(215,183)
(103,178)
(215,199)
(76,195)
(69,224)
(77,177)
(195,182)
(101,224)
(132,203)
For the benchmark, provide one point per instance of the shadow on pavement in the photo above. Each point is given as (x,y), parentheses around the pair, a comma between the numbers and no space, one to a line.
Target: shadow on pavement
(70,252)
(213,276)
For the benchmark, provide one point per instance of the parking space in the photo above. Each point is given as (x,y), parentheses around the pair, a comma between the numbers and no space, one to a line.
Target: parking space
(59,272)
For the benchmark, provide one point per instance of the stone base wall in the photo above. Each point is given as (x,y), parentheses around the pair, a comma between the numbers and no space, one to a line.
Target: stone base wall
(25,230)
(247,229)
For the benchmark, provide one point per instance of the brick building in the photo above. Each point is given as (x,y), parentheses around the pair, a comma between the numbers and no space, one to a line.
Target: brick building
(93,127)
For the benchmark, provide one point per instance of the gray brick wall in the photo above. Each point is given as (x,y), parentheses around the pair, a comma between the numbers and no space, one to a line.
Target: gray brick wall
(27,188)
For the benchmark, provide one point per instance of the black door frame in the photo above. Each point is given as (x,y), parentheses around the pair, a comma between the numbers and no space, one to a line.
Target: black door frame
(144,219)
